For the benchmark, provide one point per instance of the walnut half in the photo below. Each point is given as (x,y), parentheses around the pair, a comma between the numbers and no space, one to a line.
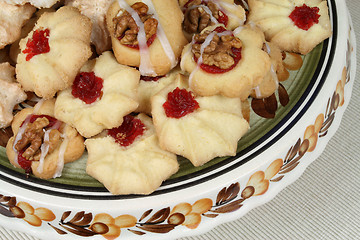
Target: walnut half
(219,51)
(126,29)
(33,138)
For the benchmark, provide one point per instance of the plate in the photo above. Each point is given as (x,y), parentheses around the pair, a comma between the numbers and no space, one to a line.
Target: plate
(272,155)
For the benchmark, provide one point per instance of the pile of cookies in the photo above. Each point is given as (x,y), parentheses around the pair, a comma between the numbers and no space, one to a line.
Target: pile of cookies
(137,83)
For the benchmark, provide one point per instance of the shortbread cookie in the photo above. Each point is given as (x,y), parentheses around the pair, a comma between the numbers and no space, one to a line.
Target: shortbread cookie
(270,83)
(36,3)
(96,11)
(294,25)
(102,94)
(10,94)
(52,54)
(149,86)
(146,34)
(128,159)
(42,144)
(225,62)
(12,18)
(199,14)
(197,128)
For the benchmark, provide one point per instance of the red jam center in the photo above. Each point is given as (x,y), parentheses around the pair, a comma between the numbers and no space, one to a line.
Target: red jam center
(223,18)
(87,87)
(236,54)
(179,103)
(38,44)
(126,134)
(304,17)
(150,79)
(53,123)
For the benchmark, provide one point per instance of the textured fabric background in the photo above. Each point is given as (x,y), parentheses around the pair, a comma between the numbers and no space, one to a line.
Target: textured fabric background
(324,203)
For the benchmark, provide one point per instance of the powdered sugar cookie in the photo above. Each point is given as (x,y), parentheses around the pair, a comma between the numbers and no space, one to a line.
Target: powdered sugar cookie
(42,144)
(52,54)
(12,18)
(128,159)
(294,25)
(36,3)
(198,128)
(96,11)
(225,62)
(146,34)
(102,94)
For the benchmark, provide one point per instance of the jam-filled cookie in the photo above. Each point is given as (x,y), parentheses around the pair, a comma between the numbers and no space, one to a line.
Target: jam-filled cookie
(128,160)
(102,94)
(35,3)
(41,143)
(146,34)
(199,14)
(54,51)
(225,62)
(197,128)
(293,25)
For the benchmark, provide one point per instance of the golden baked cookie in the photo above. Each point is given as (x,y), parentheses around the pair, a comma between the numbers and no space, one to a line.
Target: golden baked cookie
(224,62)
(146,34)
(293,25)
(36,3)
(12,18)
(54,51)
(128,159)
(42,144)
(102,94)
(197,128)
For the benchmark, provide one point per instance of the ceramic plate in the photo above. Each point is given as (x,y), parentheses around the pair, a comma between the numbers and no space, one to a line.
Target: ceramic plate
(272,155)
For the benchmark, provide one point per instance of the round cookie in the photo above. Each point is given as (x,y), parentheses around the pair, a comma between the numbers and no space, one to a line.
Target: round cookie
(216,71)
(116,96)
(197,128)
(52,54)
(155,45)
(293,25)
(53,143)
(125,167)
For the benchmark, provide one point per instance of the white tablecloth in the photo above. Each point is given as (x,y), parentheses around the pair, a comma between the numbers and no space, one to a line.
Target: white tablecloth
(324,203)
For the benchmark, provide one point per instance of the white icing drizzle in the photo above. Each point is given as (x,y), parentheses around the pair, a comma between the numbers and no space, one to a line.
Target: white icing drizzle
(44,150)
(237,30)
(145,68)
(257,91)
(272,70)
(162,36)
(23,128)
(60,163)
(220,5)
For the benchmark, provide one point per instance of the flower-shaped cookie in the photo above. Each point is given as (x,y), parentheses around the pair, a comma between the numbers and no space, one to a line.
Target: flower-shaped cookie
(36,3)
(129,160)
(12,18)
(52,54)
(146,34)
(293,25)
(42,144)
(225,62)
(198,128)
(102,94)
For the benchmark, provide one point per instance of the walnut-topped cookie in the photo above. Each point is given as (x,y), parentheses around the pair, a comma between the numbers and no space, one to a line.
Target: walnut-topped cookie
(146,34)
(295,26)
(128,159)
(54,51)
(195,127)
(102,94)
(42,144)
(225,62)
